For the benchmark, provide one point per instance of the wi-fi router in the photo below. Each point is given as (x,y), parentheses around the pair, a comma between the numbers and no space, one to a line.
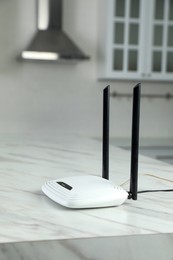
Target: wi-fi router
(90,191)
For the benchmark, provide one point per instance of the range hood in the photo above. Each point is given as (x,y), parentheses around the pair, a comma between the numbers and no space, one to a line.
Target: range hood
(50,43)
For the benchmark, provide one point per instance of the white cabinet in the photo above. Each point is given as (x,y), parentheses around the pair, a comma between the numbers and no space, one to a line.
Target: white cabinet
(136,39)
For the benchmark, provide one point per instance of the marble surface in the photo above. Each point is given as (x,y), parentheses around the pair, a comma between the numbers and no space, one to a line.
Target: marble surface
(135,247)
(26,214)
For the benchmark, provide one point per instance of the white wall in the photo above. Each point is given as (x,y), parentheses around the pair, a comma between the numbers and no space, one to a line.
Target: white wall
(67,97)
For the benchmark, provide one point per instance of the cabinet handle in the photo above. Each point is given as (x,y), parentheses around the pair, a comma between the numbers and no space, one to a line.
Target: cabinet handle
(144,75)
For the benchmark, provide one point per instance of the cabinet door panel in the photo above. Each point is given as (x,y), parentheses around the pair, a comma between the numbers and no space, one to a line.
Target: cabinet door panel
(119,33)
(170,36)
(159,9)
(169,65)
(132,60)
(157,61)
(133,33)
(118,59)
(171,10)
(134,8)
(120,8)
(158,35)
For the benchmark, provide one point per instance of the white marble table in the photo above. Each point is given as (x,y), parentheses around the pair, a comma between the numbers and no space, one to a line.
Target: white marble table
(26,214)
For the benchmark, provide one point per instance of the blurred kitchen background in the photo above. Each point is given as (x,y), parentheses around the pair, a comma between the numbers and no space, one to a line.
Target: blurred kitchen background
(66,96)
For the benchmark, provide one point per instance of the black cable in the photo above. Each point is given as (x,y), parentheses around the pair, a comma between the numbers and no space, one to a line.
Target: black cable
(144,191)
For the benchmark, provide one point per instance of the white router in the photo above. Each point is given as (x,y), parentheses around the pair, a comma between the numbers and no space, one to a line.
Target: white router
(90,191)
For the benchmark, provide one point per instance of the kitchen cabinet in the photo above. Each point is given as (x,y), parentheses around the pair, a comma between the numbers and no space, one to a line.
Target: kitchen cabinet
(136,39)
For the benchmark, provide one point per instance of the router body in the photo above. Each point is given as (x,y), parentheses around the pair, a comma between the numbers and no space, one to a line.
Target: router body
(86,191)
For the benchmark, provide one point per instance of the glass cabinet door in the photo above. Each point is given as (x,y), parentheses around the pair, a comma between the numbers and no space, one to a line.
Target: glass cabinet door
(126,26)
(139,42)
(162,42)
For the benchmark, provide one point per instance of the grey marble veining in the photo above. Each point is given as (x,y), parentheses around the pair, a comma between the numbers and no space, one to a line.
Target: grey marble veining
(26,214)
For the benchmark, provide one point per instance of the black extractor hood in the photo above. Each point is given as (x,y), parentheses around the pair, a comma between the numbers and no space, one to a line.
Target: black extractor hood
(50,43)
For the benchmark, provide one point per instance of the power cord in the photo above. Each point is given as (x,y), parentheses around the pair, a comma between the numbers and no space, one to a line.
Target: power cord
(134,197)
(152,175)
(145,191)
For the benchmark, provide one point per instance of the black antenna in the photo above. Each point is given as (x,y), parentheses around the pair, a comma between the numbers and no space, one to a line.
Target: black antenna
(105,151)
(135,142)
